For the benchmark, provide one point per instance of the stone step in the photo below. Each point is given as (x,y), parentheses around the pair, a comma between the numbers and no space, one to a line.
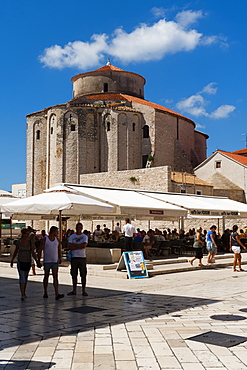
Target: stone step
(161,267)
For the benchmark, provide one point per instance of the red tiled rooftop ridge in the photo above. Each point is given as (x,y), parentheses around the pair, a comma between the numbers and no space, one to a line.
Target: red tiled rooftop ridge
(239,158)
(107,67)
(130,98)
(241,151)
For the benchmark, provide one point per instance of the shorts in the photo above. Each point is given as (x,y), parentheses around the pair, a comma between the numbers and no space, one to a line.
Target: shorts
(23,275)
(50,265)
(236,249)
(78,263)
(211,247)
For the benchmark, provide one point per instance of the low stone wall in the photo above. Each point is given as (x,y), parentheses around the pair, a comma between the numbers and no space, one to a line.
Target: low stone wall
(103,255)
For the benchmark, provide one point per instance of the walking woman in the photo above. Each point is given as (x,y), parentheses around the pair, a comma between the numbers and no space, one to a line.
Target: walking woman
(24,250)
(235,244)
(198,245)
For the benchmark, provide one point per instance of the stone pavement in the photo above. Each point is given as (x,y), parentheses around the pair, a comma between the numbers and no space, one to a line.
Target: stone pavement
(190,320)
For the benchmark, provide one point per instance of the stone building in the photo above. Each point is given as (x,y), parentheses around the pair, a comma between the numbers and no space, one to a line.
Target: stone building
(107,126)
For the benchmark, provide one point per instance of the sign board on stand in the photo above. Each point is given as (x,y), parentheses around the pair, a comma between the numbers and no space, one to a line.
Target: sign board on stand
(134,263)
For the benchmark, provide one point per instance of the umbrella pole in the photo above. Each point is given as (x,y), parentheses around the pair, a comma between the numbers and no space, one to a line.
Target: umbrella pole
(223,224)
(11,234)
(1,217)
(60,227)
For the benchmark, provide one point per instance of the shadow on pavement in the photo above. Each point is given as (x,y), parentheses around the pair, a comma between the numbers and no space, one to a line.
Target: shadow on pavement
(27,365)
(37,319)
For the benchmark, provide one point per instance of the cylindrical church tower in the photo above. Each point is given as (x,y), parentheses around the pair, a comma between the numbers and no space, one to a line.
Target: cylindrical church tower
(108,79)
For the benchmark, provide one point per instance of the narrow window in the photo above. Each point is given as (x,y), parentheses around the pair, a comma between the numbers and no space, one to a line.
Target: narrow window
(183,191)
(108,124)
(145,131)
(37,134)
(105,87)
(72,127)
(134,126)
(144,160)
(198,192)
(218,164)
(51,130)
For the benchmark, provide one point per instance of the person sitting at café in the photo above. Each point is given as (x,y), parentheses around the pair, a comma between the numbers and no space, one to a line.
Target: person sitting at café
(165,234)
(138,238)
(158,236)
(115,236)
(148,241)
(225,240)
(106,234)
(97,234)
(241,234)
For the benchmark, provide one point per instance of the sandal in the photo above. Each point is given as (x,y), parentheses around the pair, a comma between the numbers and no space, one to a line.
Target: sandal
(84,294)
(71,293)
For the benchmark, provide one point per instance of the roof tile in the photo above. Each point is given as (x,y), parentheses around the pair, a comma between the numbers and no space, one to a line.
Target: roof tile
(239,158)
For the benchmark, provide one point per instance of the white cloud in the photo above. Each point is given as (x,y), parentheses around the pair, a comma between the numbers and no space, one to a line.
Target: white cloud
(144,43)
(199,126)
(196,104)
(223,111)
(210,88)
(188,17)
(158,12)
(76,54)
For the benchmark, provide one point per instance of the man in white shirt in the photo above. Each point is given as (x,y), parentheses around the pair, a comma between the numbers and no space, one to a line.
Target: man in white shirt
(118,228)
(77,244)
(129,232)
(50,246)
(98,234)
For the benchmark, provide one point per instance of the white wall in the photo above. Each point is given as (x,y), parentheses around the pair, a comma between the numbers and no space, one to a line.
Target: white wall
(234,171)
(19,190)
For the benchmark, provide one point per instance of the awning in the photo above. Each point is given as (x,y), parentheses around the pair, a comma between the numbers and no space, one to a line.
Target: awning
(53,201)
(132,203)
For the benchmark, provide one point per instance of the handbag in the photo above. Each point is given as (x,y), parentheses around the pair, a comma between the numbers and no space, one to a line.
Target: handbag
(69,256)
(25,266)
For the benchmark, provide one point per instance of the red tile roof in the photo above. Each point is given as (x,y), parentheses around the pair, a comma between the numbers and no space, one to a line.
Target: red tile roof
(107,67)
(241,151)
(239,158)
(134,99)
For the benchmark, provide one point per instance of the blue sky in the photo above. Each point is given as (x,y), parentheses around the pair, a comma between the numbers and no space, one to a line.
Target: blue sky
(192,54)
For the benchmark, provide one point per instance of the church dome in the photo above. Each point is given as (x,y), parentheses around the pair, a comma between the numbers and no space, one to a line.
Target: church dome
(108,79)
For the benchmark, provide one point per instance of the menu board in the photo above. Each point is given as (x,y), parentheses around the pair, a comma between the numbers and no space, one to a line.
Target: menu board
(134,263)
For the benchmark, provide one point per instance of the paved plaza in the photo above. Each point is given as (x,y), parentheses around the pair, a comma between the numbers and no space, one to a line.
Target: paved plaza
(189,320)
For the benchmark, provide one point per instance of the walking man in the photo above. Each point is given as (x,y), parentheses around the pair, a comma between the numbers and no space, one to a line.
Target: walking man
(129,232)
(50,246)
(77,244)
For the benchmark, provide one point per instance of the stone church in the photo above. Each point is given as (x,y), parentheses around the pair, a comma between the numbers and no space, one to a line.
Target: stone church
(107,126)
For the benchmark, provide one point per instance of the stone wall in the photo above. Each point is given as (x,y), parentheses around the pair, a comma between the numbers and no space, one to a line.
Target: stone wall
(154,178)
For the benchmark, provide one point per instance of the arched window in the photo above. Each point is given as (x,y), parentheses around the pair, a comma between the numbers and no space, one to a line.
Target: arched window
(37,134)
(145,131)
(105,87)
